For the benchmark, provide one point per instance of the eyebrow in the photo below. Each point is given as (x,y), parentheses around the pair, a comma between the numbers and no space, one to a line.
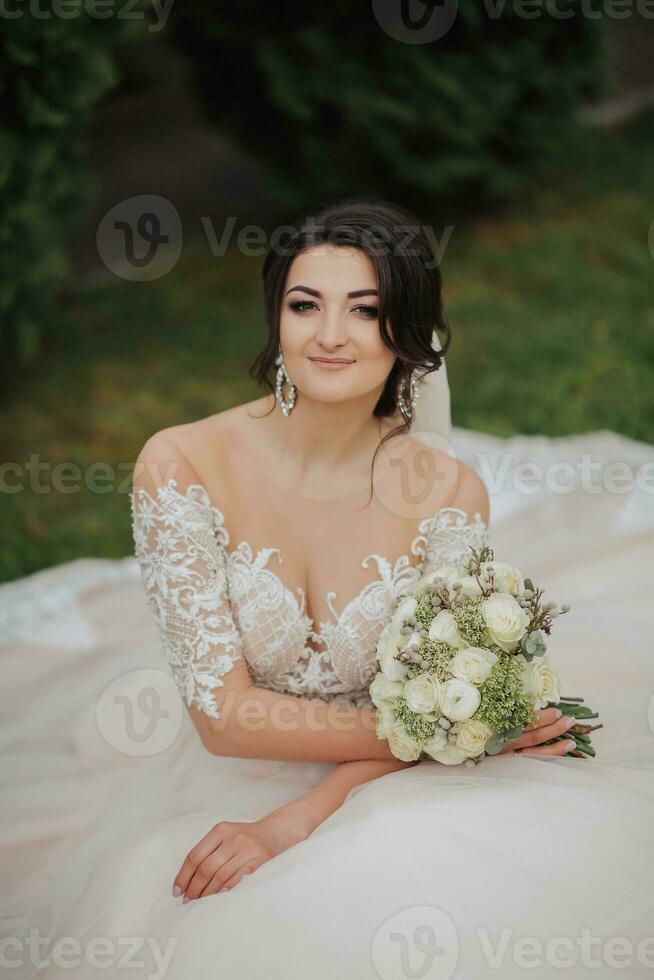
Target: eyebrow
(315,292)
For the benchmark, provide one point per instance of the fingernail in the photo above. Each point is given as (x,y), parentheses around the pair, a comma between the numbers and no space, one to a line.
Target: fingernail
(569,722)
(569,746)
(177,891)
(558,713)
(185,900)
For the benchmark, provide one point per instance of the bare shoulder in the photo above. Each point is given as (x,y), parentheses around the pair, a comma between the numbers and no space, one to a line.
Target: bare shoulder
(199,450)
(471,494)
(442,480)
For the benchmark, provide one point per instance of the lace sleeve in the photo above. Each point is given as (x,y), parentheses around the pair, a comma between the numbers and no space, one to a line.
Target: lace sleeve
(451,538)
(179,544)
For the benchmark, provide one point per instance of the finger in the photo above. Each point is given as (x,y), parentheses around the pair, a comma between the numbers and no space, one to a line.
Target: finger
(237,864)
(206,871)
(545,716)
(544,733)
(556,749)
(195,856)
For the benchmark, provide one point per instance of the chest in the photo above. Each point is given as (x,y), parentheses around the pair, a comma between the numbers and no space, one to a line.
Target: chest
(318,637)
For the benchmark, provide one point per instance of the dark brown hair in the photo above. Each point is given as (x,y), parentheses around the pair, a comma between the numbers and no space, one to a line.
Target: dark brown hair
(408,282)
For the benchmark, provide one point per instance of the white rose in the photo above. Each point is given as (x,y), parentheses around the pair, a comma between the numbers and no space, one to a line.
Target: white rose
(472,736)
(539,681)
(438,742)
(459,700)
(422,693)
(384,719)
(506,578)
(402,745)
(505,619)
(382,689)
(444,629)
(388,645)
(450,755)
(472,665)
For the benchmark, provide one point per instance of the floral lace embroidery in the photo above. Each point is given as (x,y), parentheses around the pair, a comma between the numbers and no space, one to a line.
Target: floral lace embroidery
(208,599)
(179,546)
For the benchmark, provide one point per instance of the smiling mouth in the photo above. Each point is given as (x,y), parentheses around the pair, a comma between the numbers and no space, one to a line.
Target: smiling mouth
(331,360)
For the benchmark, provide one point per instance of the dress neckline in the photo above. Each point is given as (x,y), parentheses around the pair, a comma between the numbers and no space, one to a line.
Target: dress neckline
(244,554)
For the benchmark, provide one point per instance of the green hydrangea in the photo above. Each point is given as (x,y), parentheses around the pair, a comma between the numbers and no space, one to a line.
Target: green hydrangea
(417,726)
(438,656)
(470,620)
(504,705)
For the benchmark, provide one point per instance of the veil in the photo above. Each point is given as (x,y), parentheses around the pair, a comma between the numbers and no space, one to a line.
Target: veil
(432,423)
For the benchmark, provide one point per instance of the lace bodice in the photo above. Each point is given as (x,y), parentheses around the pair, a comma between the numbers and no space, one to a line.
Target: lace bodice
(214,605)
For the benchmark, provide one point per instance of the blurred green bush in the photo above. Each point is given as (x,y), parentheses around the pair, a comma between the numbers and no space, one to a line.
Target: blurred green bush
(332,104)
(53,71)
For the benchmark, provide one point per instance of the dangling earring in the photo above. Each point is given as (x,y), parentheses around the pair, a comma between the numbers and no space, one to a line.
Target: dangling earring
(414,395)
(282,377)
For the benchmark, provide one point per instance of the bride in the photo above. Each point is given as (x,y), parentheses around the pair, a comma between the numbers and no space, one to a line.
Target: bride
(273,541)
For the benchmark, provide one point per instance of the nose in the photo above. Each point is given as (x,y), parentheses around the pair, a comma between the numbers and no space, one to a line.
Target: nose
(331,333)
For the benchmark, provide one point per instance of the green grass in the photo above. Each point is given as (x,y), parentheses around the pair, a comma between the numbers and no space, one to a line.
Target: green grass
(551,305)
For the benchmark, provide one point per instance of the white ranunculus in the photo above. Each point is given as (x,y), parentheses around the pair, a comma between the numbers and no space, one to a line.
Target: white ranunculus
(459,700)
(437,743)
(472,736)
(505,620)
(450,755)
(384,719)
(539,681)
(506,578)
(402,745)
(473,665)
(444,629)
(388,645)
(382,689)
(422,693)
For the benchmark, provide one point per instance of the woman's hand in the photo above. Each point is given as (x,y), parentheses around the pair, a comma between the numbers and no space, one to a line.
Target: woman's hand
(548,723)
(233,849)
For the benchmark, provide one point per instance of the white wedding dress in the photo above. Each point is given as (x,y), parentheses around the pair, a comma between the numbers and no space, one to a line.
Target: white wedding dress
(434,871)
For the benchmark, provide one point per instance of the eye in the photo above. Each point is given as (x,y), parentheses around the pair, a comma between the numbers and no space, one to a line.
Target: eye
(368,311)
(301,304)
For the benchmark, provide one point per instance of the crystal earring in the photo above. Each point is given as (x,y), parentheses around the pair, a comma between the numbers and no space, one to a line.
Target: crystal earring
(282,378)
(414,395)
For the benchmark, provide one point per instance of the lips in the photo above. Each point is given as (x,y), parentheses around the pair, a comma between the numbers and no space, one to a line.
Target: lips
(331,360)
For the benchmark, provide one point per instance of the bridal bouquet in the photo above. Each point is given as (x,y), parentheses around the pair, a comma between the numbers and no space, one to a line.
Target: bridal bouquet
(462,665)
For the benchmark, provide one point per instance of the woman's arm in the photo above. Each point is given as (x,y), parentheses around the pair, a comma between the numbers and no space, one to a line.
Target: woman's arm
(232,849)
(256,723)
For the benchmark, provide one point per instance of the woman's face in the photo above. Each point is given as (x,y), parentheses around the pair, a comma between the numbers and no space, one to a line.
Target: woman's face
(319,319)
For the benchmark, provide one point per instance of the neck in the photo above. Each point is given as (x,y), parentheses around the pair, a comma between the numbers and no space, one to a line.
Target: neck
(319,440)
